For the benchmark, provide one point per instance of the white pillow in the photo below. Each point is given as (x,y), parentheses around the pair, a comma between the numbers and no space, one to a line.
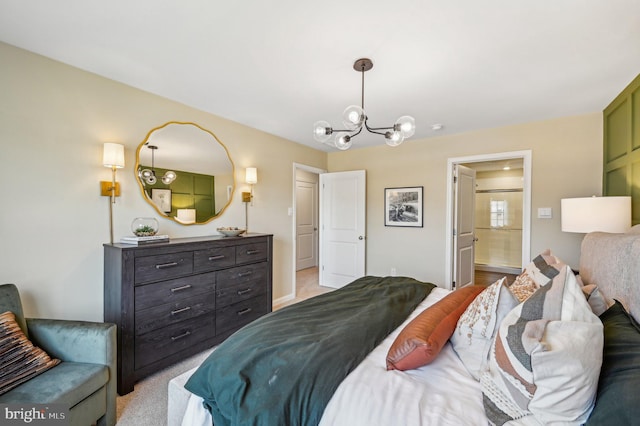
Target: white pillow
(478,325)
(546,357)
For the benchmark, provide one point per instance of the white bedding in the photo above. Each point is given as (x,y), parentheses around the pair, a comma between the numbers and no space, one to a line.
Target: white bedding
(442,393)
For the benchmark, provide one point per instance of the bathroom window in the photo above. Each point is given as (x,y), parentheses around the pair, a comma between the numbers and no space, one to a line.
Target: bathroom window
(498,213)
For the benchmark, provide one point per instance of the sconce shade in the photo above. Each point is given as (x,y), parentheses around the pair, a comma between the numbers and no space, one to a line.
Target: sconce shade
(596,214)
(186,215)
(251,176)
(113,155)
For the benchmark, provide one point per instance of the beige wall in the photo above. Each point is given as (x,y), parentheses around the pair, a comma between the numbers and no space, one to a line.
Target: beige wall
(53,122)
(55,118)
(566,162)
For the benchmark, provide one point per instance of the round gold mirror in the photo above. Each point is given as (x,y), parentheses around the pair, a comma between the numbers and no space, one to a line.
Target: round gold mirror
(185,172)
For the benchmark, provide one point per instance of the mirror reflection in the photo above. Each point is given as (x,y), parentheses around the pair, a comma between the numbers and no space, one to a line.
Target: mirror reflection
(185,172)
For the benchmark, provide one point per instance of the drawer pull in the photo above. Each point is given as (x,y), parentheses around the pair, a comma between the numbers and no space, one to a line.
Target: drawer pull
(245,291)
(217,257)
(244,311)
(166,265)
(245,273)
(183,335)
(177,311)
(250,252)
(184,287)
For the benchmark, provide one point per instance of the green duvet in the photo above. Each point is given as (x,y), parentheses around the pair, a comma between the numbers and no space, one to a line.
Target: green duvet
(283,368)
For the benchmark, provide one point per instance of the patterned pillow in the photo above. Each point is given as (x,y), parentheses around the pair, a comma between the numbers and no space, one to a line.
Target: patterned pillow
(422,339)
(542,269)
(523,287)
(478,325)
(20,360)
(546,358)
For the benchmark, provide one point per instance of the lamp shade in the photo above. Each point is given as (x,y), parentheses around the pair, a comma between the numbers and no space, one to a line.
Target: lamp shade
(186,215)
(593,214)
(251,176)
(113,155)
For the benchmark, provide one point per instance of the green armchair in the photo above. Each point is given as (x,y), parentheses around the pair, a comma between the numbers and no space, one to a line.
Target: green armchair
(85,380)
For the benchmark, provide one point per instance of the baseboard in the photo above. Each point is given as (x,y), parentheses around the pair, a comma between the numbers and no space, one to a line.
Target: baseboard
(283,299)
(500,269)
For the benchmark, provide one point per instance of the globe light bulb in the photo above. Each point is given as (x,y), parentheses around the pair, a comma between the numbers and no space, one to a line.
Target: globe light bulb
(322,131)
(394,138)
(343,141)
(169,177)
(353,117)
(406,125)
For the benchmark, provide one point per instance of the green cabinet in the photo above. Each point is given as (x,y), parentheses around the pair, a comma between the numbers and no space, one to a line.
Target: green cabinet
(621,156)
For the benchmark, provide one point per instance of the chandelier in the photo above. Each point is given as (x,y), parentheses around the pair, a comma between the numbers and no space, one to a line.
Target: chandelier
(355,119)
(149,176)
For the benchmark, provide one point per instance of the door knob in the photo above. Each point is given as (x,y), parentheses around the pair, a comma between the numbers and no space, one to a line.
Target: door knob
(361,237)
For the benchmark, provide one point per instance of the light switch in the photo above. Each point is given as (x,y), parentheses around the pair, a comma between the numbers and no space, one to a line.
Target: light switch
(545,213)
(290,211)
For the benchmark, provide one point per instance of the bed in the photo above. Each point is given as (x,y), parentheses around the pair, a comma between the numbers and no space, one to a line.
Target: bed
(391,377)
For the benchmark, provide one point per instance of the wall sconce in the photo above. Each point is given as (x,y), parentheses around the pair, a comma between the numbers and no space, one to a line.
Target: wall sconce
(251,177)
(112,156)
(596,214)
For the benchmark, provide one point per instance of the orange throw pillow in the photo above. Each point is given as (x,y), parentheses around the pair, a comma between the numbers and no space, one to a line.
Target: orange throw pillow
(421,340)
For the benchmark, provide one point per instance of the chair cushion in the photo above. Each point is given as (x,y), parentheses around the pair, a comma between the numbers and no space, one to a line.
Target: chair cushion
(67,383)
(20,360)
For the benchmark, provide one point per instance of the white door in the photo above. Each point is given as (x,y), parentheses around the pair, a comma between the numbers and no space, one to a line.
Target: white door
(463,231)
(306,225)
(342,227)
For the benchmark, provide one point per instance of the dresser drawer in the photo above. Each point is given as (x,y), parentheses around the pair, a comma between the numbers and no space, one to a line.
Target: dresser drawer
(239,291)
(171,291)
(251,252)
(213,259)
(240,274)
(170,313)
(159,344)
(162,266)
(240,314)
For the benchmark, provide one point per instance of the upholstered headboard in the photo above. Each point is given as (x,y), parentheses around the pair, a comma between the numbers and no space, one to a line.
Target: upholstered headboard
(612,262)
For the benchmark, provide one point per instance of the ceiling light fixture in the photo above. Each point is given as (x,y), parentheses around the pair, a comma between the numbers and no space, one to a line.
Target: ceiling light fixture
(149,176)
(355,119)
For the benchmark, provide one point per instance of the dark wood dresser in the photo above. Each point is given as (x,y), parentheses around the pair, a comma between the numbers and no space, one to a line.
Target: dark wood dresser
(173,300)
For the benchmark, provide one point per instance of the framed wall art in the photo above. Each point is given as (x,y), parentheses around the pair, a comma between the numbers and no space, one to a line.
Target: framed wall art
(403,206)
(162,199)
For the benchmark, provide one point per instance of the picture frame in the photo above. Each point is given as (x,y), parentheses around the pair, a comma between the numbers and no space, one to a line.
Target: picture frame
(162,199)
(404,206)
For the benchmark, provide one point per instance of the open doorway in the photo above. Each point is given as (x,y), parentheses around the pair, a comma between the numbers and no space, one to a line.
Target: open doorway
(305,215)
(498,215)
(502,216)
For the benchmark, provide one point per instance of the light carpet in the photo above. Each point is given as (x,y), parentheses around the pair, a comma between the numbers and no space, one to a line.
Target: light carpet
(147,404)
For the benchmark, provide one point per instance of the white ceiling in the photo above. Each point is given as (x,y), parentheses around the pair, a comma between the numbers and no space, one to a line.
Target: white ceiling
(281,65)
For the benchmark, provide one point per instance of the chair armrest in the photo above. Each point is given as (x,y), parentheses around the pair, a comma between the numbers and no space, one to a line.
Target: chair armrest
(75,341)
(81,341)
